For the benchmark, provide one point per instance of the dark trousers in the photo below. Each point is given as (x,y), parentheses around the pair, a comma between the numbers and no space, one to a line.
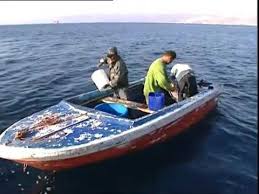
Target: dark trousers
(187,86)
(121,93)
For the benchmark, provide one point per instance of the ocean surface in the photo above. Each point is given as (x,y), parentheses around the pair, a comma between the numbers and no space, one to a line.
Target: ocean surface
(42,64)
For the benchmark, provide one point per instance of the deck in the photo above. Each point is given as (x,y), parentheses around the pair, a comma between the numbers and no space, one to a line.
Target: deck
(91,125)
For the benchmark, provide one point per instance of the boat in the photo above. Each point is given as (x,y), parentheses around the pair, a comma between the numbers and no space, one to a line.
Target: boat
(73,133)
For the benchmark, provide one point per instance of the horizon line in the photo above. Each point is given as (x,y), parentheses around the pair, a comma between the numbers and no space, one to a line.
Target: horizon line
(194,23)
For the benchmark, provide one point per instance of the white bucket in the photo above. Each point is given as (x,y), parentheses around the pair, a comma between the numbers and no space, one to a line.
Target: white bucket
(100,78)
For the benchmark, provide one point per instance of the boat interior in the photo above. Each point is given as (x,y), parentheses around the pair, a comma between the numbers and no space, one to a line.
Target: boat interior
(135,103)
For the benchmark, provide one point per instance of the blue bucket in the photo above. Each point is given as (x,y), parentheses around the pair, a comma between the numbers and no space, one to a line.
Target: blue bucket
(156,100)
(113,108)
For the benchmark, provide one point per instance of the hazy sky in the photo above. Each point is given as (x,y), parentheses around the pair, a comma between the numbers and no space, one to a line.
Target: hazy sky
(20,12)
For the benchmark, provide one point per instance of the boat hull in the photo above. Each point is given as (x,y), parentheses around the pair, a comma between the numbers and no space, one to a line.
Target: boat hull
(157,136)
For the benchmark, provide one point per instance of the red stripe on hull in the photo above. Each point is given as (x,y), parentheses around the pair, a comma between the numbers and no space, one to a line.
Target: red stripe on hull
(155,137)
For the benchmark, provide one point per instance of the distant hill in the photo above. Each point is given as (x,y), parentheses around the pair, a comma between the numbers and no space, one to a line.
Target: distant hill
(173,18)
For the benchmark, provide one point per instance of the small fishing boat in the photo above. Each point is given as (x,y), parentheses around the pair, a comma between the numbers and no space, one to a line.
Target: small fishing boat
(73,133)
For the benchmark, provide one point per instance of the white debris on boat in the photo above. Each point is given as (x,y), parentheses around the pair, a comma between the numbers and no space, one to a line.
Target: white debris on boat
(68,131)
(55,136)
(82,137)
(92,122)
(98,135)
(95,123)
(48,188)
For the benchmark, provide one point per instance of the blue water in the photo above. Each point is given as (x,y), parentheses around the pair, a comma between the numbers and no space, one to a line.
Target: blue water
(42,64)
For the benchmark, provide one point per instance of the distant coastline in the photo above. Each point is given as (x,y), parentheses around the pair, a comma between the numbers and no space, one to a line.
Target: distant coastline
(145,18)
(66,23)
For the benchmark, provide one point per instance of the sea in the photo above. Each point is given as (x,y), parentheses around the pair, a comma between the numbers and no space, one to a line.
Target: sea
(42,64)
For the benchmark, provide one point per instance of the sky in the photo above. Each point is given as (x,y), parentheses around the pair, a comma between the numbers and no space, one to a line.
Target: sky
(179,11)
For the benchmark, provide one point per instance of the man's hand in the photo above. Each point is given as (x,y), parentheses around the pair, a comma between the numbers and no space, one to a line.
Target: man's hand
(110,84)
(174,95)
(101,62)
(106,86)
(109,61)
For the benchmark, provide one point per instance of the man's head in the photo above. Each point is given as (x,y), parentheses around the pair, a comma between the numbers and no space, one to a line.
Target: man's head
(112,54)
(112,51)
(168,56)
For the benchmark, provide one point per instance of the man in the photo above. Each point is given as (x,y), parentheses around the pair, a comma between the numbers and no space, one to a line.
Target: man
(186,80)
(118,73)
(156,79)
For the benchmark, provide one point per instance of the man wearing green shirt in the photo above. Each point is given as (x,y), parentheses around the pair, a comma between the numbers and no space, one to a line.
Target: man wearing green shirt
(156,79)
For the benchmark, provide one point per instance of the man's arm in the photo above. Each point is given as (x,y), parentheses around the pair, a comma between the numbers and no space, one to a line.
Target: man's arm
(162,79)
(102,62)
(116,76)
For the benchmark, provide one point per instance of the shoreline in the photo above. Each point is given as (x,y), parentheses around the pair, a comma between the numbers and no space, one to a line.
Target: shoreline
(67,23)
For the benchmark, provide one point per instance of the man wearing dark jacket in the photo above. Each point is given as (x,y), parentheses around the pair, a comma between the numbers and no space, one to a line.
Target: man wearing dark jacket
(118,73)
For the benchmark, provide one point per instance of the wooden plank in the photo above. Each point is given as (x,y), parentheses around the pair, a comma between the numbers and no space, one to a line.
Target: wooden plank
(59,127)
(129,104)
